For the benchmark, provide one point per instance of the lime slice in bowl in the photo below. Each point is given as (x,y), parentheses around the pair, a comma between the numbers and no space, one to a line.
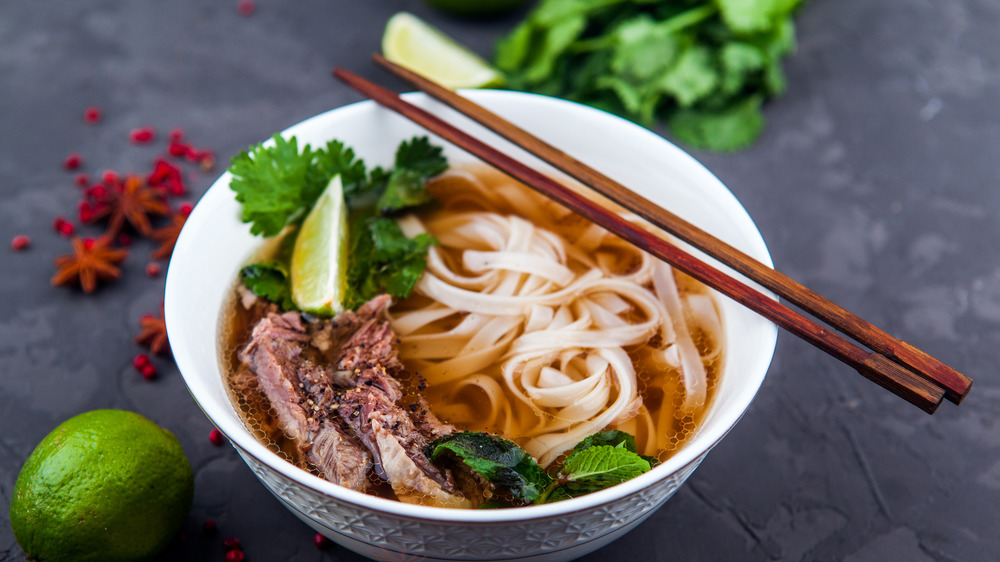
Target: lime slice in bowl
(319,258)
(413,43)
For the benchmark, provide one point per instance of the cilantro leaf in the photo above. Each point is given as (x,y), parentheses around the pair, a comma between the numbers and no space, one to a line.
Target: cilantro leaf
(383,259)
(277,184)
(420,156)
(417,161)
(702,66)
(271,183)
(729,128)
(499,461)
(269,280)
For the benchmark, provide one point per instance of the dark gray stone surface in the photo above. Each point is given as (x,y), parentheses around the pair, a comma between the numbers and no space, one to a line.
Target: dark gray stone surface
(874,183)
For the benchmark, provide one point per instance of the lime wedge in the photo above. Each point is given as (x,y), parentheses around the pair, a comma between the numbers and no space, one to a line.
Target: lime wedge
(412,43)
(319,258)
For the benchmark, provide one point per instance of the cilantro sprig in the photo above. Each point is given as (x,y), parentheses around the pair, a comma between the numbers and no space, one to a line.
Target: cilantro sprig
(277,184)
(702,66)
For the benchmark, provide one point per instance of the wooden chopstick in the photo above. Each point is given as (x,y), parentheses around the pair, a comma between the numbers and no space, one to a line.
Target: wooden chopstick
(873,366)
(955,384)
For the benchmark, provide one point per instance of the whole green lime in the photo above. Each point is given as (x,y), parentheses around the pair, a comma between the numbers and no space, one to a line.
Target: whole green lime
(105,485)
(476,8)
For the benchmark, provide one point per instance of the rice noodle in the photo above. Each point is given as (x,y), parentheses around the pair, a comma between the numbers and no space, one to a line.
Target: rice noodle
(540,323)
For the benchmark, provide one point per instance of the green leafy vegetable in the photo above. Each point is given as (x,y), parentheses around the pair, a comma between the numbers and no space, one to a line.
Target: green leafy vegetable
(499,461)
(594,468)
(277,184)
(383,259)
(416,162)
(269,280)
(702,66)
(599,461)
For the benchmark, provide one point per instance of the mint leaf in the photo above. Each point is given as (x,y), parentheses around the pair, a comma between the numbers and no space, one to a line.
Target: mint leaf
(595,468)
(611,438)
(271,281)
(501,462)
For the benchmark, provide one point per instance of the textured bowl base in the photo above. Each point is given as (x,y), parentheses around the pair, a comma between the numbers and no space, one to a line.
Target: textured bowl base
(386,536)
(386,555)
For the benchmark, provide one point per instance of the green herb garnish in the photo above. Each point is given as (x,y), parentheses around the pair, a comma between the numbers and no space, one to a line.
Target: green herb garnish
(599,461)
(501,462)
(278,185)
(269,280)
(702,66)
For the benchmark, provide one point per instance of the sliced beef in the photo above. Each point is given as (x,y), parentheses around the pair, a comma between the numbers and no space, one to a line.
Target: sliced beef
(347,416)
(301,394)
(372,410)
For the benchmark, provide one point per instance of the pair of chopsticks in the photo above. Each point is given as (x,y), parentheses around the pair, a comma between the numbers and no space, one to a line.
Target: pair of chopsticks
(897,366)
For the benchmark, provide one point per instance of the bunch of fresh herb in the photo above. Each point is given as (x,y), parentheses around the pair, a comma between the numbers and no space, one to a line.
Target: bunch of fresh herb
(599,461)
(702,66)
(278,184)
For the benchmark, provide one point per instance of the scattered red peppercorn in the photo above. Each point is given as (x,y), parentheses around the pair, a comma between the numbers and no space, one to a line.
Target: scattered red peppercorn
(235,556)
(82,180)
(185,208)
(153,269)
(231,543)
(63,226)
(215,436)
(140,361)
(149,372)
(176,134)
(20,242)
(88,243)
(209,527)
(85,212)
(320,541)
(246,7)
(178,149)
(142,135)
(73,161)
(92,115)
(110,177)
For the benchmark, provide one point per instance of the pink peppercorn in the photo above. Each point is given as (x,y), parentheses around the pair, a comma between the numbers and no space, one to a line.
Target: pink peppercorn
(20,242)
(231,543)
(153,270)
(235,556)
(92,115)
(73,161)
(246,7)
(320,541)
(142,135)
(215,436)
(82,180)
(140,361)
(149,372)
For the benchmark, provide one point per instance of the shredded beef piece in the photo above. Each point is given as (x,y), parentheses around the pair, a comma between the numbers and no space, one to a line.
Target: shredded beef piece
(348,417)
(384,426)
(300,393)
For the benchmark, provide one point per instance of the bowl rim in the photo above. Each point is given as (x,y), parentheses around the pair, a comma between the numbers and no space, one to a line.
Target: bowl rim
(240,437)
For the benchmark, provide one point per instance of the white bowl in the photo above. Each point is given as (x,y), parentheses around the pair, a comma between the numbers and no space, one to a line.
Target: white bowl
(215,244)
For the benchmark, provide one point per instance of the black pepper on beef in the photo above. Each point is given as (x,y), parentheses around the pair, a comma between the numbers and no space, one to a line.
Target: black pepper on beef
(301,394)
(348,416)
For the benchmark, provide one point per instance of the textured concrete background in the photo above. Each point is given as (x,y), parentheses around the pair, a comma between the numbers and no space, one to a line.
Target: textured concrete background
(874,183)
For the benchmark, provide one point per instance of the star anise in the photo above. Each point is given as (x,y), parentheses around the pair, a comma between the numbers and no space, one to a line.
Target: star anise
(91,261)
(131,201)
(154,333)
(167,236)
